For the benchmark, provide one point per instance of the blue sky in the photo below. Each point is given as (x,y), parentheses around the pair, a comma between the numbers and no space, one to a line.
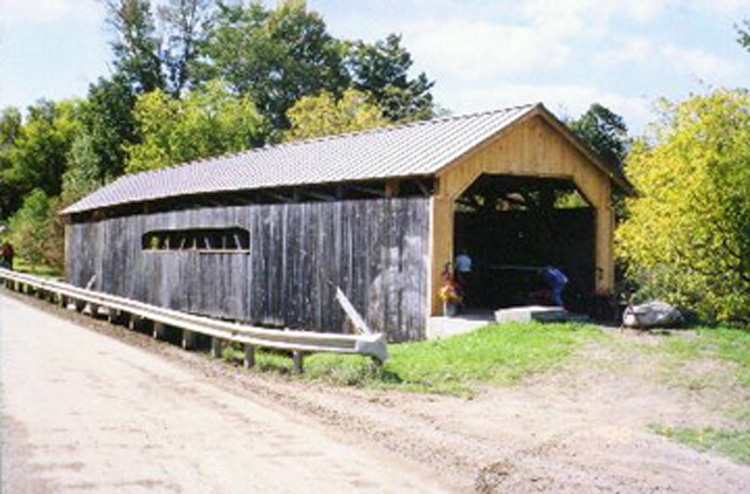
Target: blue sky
(483,54)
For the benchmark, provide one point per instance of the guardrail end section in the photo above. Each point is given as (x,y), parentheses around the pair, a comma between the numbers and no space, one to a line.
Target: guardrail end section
(374,346)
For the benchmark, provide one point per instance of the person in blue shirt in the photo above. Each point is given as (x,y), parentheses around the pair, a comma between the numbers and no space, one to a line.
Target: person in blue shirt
(463,267)
(557,282)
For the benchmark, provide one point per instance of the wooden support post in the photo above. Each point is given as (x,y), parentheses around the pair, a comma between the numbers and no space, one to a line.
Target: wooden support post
(216,346)
(189,339)
(297,362)
(80,305)
(63,301)
(160,331)
(249,361)
(94,308)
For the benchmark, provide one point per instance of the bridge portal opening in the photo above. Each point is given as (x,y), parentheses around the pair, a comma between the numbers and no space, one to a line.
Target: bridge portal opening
(512,227)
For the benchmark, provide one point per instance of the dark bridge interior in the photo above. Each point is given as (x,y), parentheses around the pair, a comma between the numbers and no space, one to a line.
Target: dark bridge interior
(511,226)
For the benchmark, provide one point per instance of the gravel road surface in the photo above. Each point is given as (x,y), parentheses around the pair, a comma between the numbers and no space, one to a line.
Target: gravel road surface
(86,413)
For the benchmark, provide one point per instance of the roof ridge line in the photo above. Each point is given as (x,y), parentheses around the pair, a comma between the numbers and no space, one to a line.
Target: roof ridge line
(390,128)
(375,130)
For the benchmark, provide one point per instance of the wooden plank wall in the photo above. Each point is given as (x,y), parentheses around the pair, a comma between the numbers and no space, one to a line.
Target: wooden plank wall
(375,250)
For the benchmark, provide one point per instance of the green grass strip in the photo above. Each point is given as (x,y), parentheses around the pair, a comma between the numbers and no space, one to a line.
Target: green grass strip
(731,443)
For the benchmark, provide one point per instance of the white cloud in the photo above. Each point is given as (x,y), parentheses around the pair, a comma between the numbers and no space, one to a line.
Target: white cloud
(589,17)
(725,7)
(628,51)
(477,50)
(47,10)
(645,10)
(699,63)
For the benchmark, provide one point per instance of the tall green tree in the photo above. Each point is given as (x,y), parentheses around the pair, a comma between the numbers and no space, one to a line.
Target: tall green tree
(110,125)
(322,115)
(136,44)
(687,237)
(276,56)
(186,24)
(382,70)
(605,132)
(208,121)
(11,126)
(39,155)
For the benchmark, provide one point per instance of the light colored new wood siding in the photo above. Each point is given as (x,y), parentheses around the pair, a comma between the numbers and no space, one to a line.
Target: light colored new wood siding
(533,147)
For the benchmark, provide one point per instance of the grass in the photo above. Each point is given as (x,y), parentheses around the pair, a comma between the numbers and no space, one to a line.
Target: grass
(35,269)
(496,354)
(732,443)
(722,343)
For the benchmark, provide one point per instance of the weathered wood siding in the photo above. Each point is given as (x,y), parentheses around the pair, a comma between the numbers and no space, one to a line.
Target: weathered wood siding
(375,250)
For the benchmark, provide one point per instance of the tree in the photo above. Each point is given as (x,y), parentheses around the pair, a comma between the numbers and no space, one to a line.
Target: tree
(275,56)
(39,155)
(381,69)
(29,227)
(11,126)
(687,238)
(743,34)
(605,132)
(83,174)
(110,124)
(208,122)
(186,26)
(137,47)
(322,115)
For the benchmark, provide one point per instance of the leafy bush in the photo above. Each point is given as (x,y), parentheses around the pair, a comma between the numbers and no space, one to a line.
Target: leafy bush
(29,227)
(687,236)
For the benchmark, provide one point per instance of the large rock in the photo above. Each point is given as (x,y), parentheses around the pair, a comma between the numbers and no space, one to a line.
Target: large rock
(651,315)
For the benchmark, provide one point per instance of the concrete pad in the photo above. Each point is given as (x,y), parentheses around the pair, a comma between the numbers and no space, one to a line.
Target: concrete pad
(443,327)
(530,313)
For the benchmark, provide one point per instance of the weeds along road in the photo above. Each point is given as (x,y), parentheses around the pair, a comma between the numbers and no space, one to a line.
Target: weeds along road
(86,413)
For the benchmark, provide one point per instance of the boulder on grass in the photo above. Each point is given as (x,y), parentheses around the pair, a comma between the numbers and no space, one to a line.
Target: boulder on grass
(655,314)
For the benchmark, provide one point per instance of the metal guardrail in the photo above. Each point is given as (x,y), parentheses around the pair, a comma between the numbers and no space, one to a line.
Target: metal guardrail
(299,342)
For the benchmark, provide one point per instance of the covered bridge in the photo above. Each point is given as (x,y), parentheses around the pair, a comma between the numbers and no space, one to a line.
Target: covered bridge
(266,236)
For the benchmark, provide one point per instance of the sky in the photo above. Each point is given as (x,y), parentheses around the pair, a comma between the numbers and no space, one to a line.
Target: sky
(483,54)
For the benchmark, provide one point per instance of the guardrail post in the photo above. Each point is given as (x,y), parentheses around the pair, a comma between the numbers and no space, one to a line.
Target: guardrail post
(297,362)
(114,316)
(216,347)
(160,331)
(63,301)
(80,305)
(94,308)
(249,360)
(134,323)
(189,339)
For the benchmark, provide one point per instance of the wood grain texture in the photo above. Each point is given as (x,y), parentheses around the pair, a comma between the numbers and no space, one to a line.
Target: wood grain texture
(375,250)
(531,148)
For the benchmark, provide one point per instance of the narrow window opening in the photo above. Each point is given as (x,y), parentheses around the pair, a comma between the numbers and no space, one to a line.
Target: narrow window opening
(203,240)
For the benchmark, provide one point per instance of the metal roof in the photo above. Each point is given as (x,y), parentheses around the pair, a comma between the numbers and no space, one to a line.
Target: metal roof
(420,148)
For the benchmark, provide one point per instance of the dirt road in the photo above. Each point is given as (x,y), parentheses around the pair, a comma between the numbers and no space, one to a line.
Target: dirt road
(86,413)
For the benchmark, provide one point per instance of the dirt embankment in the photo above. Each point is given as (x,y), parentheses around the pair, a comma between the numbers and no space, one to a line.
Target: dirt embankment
(582,428)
